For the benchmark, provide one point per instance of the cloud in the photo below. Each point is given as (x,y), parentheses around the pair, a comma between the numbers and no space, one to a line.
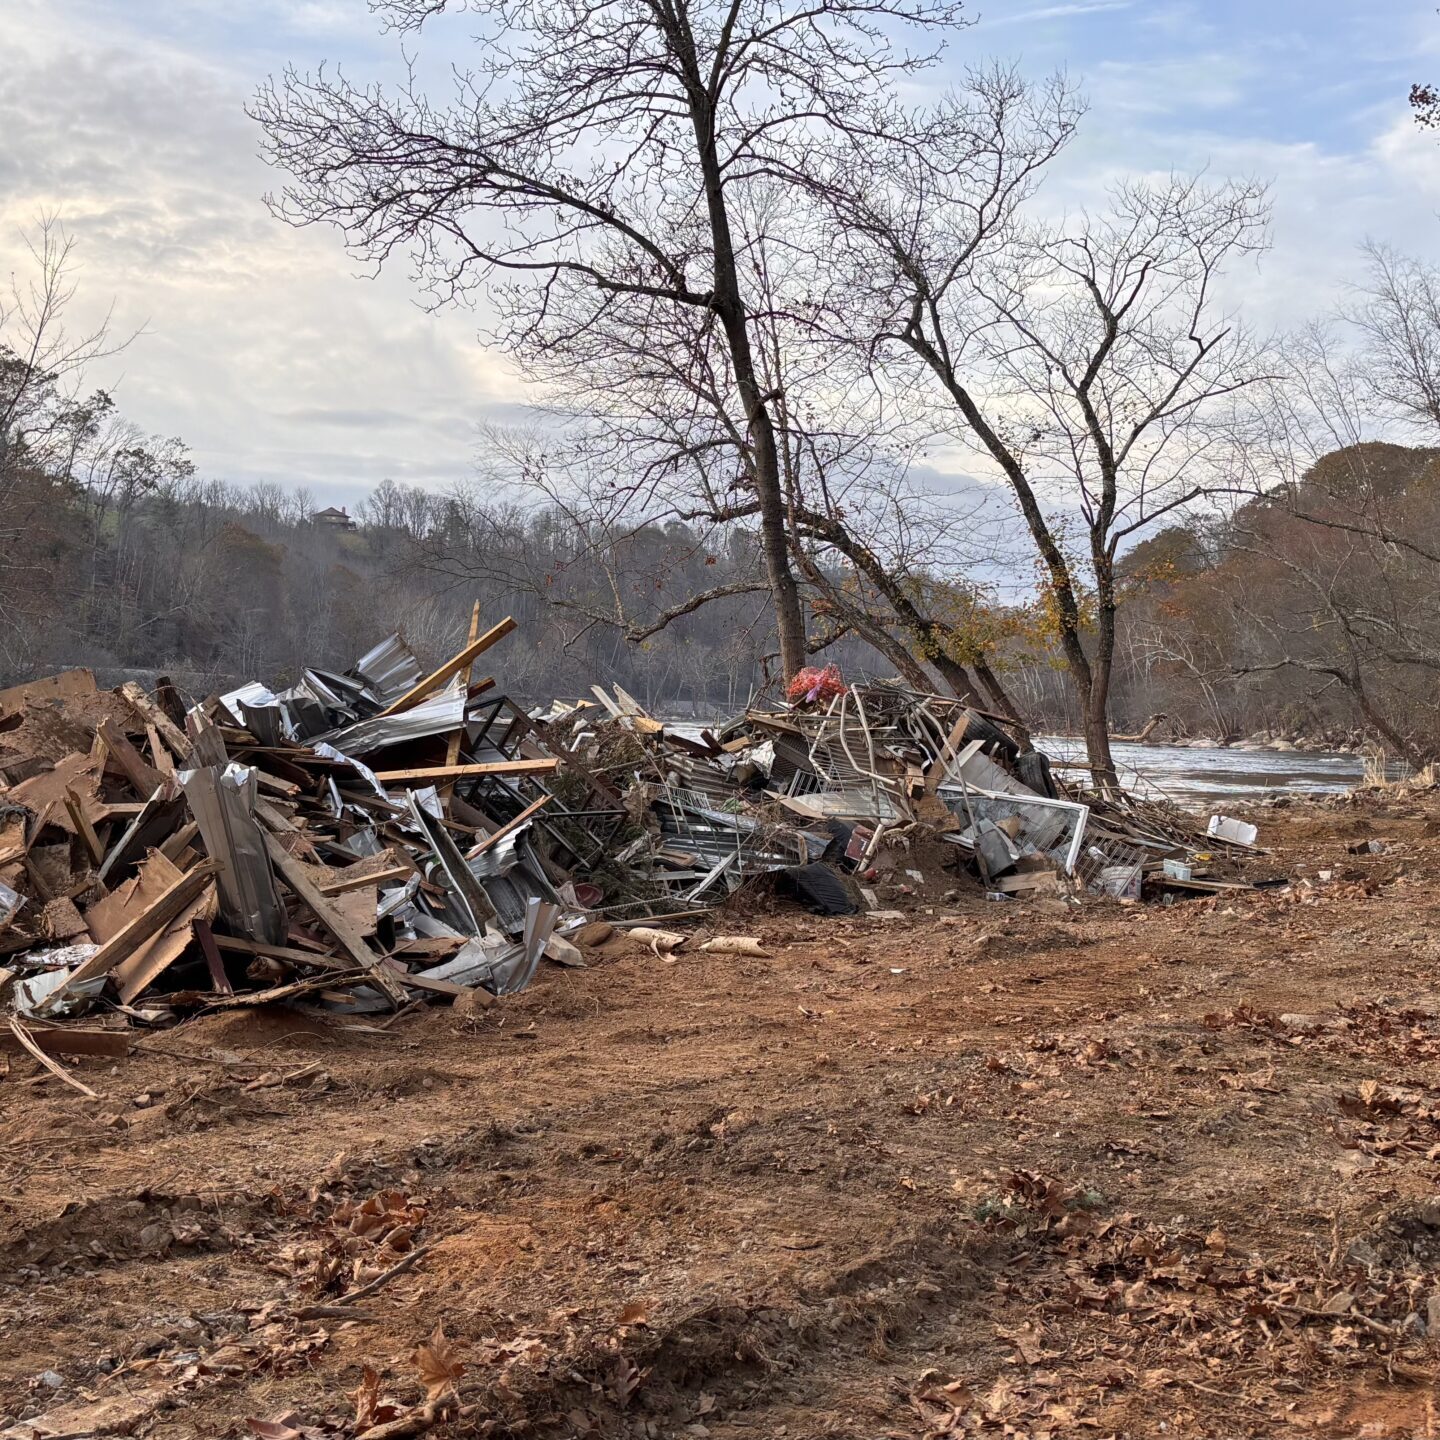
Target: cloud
(268,354)
(262,348)
(1055,12)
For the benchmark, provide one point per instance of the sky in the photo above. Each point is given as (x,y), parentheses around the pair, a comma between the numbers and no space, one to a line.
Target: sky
(268,351)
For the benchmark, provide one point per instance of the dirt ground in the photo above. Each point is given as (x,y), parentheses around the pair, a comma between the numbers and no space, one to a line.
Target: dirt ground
(993,1169)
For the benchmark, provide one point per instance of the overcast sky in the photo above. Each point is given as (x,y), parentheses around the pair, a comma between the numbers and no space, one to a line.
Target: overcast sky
(269,355)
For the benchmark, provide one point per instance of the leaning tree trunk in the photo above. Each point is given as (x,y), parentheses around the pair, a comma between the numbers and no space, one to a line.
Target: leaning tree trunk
(729,306)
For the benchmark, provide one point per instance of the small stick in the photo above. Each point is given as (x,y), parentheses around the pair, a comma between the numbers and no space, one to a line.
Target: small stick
(366,1291)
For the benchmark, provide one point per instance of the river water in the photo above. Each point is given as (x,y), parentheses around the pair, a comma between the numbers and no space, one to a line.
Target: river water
(1204,776)
(1197,778)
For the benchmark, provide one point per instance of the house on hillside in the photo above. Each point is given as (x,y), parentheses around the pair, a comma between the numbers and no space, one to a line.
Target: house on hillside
(333,518)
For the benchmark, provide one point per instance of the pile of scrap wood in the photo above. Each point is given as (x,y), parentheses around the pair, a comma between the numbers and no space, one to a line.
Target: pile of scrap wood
(367,839)
(360,839)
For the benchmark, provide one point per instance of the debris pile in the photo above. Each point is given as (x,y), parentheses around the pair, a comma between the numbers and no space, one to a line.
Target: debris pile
(371,839)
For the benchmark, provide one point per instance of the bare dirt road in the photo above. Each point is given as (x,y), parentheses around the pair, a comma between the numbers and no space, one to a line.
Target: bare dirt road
(990,1170)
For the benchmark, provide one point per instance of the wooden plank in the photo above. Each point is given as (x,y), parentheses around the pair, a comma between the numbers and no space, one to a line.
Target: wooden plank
(153,715)
(509,825)
(351,941)
(150,921)
(457,736)
(135,974)
(429,947)
(179,842)
(164,761)
(434,987)
(72,1040)
(27,1042)
(67,685)
(205,938)
(443,772)
(143,776)
(83,828)
(289,953)
(456,663)
(376,877)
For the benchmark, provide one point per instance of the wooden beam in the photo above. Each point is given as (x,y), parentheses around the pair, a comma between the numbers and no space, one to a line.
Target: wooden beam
(72,1040)
(375,877)
(288,953)
(452,666)
(457,736)
(351,940)
(83,828)
(509,825)
(444,772)
(175,898)
(28,1042)
(143,776)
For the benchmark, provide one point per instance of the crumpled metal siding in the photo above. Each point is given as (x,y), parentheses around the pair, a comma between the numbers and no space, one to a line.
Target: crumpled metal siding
(223,804)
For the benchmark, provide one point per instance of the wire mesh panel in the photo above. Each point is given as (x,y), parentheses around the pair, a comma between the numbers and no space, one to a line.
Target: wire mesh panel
(1050,827)
(1111,867)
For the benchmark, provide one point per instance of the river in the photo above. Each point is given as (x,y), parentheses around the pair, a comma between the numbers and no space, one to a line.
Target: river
(1203,776)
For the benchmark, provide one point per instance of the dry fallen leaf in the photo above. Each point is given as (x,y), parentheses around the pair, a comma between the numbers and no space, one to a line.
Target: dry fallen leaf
(637,1312)
(438,1364)
(279,1429)
(370,1409)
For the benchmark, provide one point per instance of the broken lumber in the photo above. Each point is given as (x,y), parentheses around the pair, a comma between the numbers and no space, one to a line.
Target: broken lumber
(28,1043)
(175,898)
(351,941)
(452,666)
(143,776)
(375,877)
(458,772)
(113,1044)
(497,836)
(457,736)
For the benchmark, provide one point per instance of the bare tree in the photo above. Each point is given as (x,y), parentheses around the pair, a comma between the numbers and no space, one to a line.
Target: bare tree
(42,360)
(1081,359)
(592,163)
(1396,314)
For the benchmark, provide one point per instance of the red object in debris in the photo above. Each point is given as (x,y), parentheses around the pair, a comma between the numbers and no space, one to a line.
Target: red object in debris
(811,685)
